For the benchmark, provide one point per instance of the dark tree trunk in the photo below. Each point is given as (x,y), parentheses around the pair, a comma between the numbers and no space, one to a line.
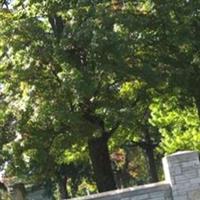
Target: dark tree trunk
(101,163)
(149,149)
(152,163)
(62,188)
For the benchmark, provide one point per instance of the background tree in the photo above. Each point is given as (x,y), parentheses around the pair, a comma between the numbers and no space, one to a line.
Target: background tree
(135,130)
(174,40)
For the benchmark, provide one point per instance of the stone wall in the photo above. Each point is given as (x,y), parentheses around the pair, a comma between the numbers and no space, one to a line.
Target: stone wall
(158,191)
(182,182)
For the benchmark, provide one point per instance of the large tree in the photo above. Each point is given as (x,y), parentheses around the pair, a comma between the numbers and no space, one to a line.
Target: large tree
(64,64)
(73,57)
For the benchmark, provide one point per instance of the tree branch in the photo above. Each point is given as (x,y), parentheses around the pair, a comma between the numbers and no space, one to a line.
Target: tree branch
(57,25)
(4,2)
(95,120)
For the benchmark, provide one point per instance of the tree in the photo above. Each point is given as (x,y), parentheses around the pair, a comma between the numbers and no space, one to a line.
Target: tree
(135,129)
(72,57)
(173,35)
(64,66)
(170,56)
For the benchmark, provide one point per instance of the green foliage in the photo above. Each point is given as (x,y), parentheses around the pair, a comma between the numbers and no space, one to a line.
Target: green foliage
(178,125)
(73,70)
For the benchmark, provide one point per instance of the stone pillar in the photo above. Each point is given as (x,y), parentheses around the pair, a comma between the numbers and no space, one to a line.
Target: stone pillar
(182,172)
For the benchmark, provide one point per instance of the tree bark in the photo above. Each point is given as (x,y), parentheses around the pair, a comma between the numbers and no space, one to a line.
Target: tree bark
(62,188)
(101,163)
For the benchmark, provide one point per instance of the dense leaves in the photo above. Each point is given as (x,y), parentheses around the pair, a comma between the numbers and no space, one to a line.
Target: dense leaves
(81,79)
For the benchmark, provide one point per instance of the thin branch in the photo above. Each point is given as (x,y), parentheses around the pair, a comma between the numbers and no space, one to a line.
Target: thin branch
(57,25)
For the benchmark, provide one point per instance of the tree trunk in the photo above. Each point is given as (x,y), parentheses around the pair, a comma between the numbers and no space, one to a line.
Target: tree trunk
(62,188)
(152,163)
(101,163)
(149,149)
